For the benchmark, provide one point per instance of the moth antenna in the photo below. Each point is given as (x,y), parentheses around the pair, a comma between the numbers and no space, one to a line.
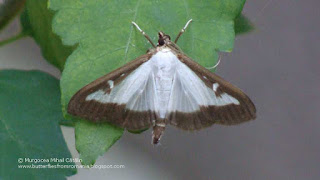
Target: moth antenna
(182,30)
(143,33)
(187,24)
(215,64)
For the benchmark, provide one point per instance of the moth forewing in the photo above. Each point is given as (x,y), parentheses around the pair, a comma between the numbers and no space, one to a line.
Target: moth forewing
(97,101)
(239,111)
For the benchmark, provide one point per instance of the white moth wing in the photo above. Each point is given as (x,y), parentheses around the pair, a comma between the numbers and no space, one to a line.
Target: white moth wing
(189,92)
(200,98)
(136,91)
(124,97)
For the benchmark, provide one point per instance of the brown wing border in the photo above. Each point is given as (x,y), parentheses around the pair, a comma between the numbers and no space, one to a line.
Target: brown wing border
(116,114)
(226,115)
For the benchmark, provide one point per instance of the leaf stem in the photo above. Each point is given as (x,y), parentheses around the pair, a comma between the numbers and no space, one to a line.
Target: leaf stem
(12,39)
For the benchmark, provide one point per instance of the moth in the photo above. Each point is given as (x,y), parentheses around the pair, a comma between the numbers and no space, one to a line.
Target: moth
(163,86)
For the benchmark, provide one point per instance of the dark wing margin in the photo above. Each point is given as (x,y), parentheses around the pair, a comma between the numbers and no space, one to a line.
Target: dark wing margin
(229,114)
(113,113)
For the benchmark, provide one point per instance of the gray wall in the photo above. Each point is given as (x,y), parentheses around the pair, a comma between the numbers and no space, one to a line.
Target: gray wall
(277,66)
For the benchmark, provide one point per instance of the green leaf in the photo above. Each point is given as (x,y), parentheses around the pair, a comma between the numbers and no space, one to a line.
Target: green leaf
(243,25)
(106,38)
(25,23)
(36,21)
(138,131)
(8,10)
(92,140)
(29,125)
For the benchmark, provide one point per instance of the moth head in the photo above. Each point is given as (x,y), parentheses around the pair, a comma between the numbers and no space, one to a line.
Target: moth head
(163,39)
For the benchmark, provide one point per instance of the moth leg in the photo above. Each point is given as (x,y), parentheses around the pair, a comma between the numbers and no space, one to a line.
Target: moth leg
(215,64)
(182,31)
(143,33)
